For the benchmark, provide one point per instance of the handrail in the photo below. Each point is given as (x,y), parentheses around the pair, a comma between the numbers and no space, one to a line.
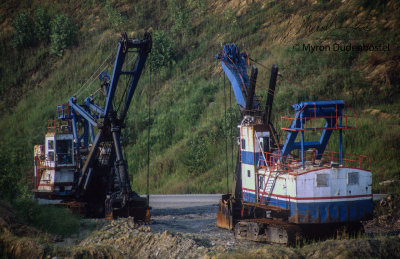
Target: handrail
(288,164)
(57,127)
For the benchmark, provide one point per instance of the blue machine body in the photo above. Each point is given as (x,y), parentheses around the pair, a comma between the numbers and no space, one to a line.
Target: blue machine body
(234,65)
(331,111)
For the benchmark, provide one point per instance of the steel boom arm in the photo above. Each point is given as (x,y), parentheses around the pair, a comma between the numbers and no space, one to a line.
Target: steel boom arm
(110,126)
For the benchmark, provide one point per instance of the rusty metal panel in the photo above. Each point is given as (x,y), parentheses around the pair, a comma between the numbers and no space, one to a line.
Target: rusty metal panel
(224,217)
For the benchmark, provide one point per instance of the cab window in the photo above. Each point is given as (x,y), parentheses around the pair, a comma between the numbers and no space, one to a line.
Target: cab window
(322,180)
(64,151)
(50,156)
(50,144)
(352,178)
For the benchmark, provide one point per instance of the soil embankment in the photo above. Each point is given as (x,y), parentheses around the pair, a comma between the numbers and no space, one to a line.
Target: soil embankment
(189,232)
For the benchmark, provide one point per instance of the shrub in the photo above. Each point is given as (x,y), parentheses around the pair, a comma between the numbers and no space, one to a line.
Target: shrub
(114,16)
(24,30)
(180,15)
(63,34)
(42,25)
(162,52)
(195,159)
(28,31)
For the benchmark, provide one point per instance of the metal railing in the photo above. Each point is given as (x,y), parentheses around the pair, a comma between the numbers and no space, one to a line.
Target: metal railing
(289,164)
(54,126)
(349,160)
(63,111)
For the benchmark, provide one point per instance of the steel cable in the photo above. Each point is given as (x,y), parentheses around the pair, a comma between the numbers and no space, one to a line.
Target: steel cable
(84,86)
(226,144)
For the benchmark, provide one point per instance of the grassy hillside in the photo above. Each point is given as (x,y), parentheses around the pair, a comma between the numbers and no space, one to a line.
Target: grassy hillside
(189,131)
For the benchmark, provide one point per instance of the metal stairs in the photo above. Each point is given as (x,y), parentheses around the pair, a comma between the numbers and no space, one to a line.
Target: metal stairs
(272,177)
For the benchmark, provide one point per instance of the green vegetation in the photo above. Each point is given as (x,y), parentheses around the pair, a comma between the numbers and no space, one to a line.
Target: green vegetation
(37,26)
(42,25)
(63,34)
(10,186)
(162,53)
(24,30)
(115,18)
(47,218)
(14,187)
(188,129)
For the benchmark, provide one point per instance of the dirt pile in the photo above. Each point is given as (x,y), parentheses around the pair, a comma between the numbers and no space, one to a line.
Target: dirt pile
(390,206)
(384,247)
(124,238)
(18,240)
(386,216)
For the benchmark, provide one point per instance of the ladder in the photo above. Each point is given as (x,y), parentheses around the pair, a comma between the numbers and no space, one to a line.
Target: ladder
(269,185)
(272,177)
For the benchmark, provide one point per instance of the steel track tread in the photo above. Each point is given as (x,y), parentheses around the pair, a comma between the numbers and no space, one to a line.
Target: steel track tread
(269,231)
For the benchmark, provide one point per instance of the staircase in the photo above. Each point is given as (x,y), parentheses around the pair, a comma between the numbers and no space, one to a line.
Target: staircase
(269,185)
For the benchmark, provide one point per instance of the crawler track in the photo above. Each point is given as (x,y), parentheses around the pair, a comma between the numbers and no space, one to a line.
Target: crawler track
(269,231)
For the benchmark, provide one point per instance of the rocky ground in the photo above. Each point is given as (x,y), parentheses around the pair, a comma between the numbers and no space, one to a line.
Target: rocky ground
(189,233)
(387,217)
(124,238)
(174,233)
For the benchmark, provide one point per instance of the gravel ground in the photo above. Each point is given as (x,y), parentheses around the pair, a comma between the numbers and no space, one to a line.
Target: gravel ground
(183,226)
(199,224)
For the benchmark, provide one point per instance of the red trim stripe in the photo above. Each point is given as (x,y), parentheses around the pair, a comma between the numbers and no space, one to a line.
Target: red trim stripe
(315,198)
(56,168)
(56,184)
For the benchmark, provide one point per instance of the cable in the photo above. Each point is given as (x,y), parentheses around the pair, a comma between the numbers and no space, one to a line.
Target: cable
(127,84)
(255,61)
(226,145)
(123,95)
(148,140)
(280,75)
(79,92)
(230,109)
(130,61)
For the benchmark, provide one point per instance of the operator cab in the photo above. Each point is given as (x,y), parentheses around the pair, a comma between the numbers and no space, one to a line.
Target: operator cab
(59,149)
(55,165)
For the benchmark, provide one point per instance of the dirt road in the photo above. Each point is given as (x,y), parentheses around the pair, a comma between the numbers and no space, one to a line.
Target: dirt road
(194,215)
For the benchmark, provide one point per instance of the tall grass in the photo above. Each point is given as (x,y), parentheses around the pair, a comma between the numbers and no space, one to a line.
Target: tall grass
(48,218)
